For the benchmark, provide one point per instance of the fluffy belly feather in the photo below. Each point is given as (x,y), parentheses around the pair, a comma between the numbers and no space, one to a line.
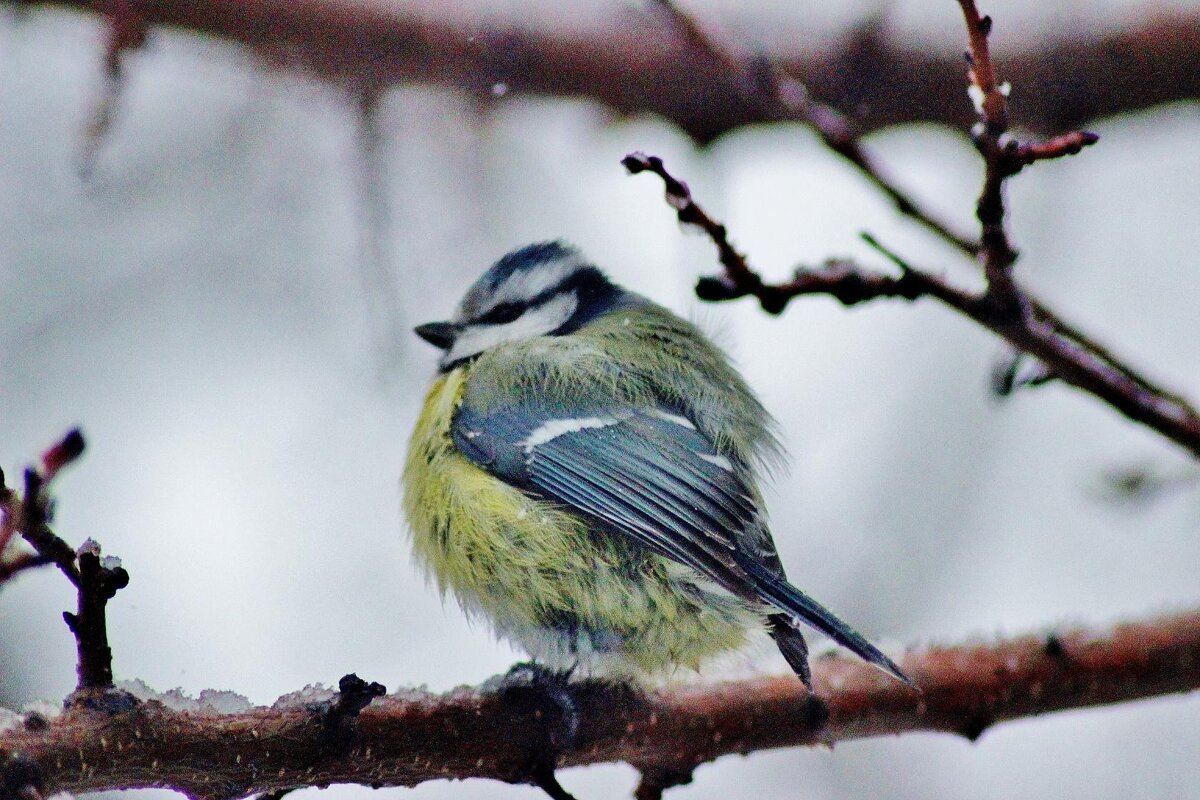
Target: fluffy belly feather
(544,579)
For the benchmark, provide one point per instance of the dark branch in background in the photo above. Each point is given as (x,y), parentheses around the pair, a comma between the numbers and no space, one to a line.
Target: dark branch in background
(668,65)
(405,740)
(634,64)
(779,97)
(378,45)
(96,579)
(126,30)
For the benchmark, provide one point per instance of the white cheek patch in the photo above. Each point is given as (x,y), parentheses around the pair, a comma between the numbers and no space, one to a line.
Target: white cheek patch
(538,321)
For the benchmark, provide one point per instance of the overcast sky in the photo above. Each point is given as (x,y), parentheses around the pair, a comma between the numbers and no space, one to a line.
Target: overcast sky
(224,308)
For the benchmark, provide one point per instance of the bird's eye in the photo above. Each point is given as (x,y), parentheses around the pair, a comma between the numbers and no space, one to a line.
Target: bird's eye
(505,312)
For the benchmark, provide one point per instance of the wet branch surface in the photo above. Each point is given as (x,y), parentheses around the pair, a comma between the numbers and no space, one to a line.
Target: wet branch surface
(404,740)
(108,739)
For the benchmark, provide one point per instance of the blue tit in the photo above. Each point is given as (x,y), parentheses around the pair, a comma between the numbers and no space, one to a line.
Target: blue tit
(584,474)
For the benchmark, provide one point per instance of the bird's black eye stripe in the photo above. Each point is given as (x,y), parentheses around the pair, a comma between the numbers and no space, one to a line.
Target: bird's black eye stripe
(504,312)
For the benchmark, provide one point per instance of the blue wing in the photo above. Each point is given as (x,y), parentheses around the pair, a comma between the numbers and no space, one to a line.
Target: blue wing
(651,475)
(643,473)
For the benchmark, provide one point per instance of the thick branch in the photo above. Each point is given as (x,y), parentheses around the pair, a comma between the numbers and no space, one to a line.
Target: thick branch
(404,740)
(637,63)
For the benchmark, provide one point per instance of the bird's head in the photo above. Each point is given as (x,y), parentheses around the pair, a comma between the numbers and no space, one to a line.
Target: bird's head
(544,289)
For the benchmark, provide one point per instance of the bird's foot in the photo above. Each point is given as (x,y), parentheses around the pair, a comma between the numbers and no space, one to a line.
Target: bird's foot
(533,689)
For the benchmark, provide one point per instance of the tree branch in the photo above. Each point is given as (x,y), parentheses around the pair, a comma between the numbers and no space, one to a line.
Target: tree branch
(1003,157)
(1069,359)
(107,740)
(781,97)
(1004,307)
(1068,353)
(96,579)
(413,737)
(637,63)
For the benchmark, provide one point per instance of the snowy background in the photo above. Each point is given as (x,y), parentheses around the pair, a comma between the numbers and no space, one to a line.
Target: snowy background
(224,307)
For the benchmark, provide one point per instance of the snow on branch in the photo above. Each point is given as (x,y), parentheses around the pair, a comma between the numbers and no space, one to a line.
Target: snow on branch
(411,737)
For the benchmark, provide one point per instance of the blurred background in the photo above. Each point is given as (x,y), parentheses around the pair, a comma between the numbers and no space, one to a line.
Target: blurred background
(220,289)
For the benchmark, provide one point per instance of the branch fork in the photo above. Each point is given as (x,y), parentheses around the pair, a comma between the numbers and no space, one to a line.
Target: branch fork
(96,578)
(1065,352)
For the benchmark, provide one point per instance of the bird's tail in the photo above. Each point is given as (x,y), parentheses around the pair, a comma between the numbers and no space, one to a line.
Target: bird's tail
(787,598)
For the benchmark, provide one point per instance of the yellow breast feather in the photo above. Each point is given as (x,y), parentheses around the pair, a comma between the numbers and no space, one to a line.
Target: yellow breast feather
(540,575)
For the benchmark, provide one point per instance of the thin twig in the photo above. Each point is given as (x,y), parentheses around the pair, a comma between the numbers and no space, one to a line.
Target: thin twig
(96,579)
(1003,157)
(1070,355)
(781,97)
(20,563)
(679,197)
(126,30)
(407,739)
(992,106)
(839,278)
(1068,144)
(1075,364)
(28,512)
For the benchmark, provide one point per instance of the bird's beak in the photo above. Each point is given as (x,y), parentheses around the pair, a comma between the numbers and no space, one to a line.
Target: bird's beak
(438,334)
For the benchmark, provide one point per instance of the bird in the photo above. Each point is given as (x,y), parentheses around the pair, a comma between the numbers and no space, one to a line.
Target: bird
(584,474)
